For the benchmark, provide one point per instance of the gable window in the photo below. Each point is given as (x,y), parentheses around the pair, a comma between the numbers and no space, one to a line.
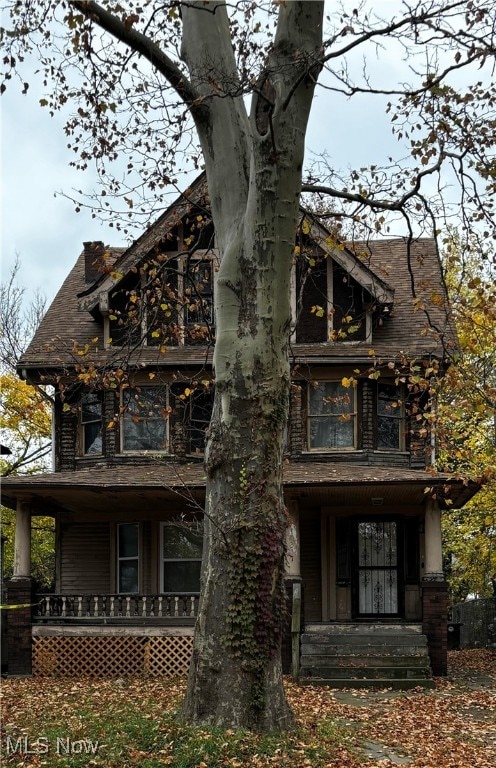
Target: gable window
(128,558)
(91,423)
(331,304)
(164,301)
(181,553)
(331,416)
(144,419)
(390,417)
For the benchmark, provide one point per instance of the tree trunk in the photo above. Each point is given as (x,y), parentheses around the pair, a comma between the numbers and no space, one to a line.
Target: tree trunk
(254,174)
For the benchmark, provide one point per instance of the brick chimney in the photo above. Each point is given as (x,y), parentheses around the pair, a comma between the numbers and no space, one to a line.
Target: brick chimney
(93,260)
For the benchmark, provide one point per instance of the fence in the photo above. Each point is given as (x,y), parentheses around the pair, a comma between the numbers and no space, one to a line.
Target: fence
(478,622)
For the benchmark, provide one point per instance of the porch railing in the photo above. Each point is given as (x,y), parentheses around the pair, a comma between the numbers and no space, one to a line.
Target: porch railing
(115,607)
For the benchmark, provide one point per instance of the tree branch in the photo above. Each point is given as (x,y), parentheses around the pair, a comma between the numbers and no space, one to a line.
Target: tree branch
(142,45)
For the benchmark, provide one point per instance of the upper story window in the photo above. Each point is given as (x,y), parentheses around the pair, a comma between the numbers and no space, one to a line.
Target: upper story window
(181,556)
(144,419)
(200,412)
(128,557)
(331,418)
(91,423)
(390,417)
(166,301)
(198,291)
(331,305)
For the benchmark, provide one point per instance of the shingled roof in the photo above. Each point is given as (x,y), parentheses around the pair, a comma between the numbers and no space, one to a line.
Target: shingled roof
(325,482)
(418,324)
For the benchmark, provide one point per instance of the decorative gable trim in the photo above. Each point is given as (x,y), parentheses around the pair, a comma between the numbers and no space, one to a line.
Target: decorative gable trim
(351,263)
(89,299)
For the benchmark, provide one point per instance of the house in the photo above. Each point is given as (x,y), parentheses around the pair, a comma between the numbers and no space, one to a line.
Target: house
(126,345)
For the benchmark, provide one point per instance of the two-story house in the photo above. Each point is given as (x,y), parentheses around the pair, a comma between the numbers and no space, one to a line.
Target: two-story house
(126,346)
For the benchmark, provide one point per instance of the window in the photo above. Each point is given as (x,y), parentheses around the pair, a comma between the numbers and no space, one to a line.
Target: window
(331,304)
(198,293)
(128,558)
(144,420)
(162,304)
(200,411)
(91,423)
(331,416)
(182,546)
(389,417)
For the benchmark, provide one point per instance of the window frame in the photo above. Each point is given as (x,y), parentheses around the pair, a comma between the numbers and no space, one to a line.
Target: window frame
(400,418)
(120,559)
(124,411)
(352,391)
(84,423)
(163,526)
(210,255)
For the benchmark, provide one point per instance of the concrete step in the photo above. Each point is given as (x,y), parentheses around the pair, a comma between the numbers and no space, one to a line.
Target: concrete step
(365,655)
(369,639)
(365,673)
(321,649)
(400,685)
(362,628)
(332,660)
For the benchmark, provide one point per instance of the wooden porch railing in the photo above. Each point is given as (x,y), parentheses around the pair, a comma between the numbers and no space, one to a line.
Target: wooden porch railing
(115,607)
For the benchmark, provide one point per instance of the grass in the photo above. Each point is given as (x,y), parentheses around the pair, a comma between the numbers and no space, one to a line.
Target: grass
(64,723)
(80,723)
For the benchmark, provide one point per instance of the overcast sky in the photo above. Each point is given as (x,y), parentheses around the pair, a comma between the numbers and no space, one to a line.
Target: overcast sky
(47,233)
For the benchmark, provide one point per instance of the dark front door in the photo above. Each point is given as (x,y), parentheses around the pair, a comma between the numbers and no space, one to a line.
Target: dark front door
(378,585)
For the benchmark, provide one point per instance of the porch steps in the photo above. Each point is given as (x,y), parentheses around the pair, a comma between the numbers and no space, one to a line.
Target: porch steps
(365,656)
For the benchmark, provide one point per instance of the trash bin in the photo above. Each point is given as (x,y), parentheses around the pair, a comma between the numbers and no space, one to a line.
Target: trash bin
(454,628)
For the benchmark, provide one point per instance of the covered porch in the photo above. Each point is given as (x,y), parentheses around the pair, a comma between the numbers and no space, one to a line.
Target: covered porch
(331,507)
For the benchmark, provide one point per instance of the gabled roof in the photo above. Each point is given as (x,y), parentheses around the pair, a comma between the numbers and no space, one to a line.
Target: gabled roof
(418,325)
(88,299)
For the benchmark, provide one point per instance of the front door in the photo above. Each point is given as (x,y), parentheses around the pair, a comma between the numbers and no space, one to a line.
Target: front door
(377,588)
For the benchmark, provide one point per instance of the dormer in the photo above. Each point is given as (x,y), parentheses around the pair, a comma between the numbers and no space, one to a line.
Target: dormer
(337,297)
(159,292)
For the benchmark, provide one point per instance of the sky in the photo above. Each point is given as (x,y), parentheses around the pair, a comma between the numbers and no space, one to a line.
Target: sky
(42,228)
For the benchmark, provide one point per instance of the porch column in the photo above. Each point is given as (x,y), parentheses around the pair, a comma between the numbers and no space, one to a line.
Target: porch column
(19,637)
(22,542)
(433,565)
(293,542)
(435,592)
(292,576)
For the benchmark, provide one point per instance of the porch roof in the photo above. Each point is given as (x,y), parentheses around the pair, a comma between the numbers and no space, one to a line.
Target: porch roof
(96,489)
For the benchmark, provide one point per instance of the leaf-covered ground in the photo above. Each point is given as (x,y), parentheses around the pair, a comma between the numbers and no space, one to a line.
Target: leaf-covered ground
(125,723)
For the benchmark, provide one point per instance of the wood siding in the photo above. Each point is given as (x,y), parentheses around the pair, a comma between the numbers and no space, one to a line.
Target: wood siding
(85,558)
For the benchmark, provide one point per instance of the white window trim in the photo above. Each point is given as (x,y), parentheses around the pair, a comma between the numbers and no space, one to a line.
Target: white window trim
(119,558)
(163,559)
(354,416)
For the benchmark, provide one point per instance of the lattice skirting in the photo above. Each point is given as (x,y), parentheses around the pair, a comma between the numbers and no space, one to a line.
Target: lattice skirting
(104,656)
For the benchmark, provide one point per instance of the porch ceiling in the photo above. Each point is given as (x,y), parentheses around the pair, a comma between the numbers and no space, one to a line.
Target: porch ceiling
(150,487)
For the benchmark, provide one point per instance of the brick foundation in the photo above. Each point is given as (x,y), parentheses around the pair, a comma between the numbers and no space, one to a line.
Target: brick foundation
(19,638)
(435,624)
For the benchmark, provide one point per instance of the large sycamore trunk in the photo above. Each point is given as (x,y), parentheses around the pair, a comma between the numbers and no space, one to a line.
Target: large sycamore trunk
(253,167)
